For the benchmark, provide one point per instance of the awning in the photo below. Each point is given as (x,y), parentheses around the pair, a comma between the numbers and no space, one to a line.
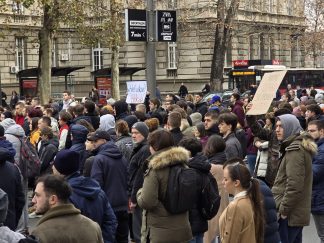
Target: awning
(123,71)
(56,71)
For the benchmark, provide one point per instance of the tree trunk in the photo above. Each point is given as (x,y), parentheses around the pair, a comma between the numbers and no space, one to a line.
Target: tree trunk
(45,57)
(222,38)
(115,72)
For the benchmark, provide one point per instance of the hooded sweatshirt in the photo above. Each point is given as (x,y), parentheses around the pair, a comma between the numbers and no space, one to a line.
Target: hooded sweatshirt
(93,203)
(79,134)
(12,134)
(290,125)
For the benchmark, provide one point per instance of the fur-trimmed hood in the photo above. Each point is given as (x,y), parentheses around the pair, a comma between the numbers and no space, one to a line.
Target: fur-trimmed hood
(303,140)
(172,156)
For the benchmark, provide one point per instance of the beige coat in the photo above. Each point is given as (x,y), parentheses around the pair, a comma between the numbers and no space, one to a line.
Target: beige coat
(158,224)
(213,224)
(237,222)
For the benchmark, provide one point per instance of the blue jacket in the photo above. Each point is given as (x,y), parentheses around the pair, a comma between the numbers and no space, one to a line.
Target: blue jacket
(8,145)
(110,170)
(318,179)
(93,203)
(271,234)
(79,134)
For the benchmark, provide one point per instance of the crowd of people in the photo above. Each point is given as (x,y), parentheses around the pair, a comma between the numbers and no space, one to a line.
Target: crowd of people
(105,172)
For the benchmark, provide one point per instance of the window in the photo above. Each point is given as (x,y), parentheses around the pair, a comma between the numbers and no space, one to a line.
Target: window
(20,53)
(54,53)
(97,57)
(172,61)
(17,7)
(290,7)
(254,46)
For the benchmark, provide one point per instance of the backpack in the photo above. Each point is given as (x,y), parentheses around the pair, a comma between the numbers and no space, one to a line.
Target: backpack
(29,162)
(209,197)
(181,193)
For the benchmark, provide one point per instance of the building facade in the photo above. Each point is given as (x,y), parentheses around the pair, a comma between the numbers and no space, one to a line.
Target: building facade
(263,29)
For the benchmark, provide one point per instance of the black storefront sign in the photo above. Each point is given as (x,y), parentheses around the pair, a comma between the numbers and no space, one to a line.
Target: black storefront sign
(135,25)
(166,25)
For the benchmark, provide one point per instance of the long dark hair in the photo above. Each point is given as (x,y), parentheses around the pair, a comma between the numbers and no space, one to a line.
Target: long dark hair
(238,171)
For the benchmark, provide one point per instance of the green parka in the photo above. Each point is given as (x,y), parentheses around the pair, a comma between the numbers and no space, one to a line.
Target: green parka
(158,224)
(292,188)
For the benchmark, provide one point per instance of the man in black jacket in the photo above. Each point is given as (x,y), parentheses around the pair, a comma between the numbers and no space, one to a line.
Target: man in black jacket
(174,123)
(10,182)
(136,170)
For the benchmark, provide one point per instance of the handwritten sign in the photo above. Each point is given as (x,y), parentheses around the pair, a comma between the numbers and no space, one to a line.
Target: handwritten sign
(136,92)
(266,92)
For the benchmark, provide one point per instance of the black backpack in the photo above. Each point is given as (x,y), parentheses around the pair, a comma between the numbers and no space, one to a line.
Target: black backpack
(209,197)
(181,193)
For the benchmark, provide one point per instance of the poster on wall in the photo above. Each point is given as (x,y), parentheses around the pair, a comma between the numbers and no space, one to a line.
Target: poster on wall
(29,87)
(136,92)
(104,86)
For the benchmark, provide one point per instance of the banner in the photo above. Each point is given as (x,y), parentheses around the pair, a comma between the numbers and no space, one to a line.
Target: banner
(104,85)
(266,92)
(136,92)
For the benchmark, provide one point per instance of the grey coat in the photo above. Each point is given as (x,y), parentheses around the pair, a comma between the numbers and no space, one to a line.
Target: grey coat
(11,135)
(233,147)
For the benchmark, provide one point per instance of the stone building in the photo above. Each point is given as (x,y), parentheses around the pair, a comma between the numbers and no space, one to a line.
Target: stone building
(263,29)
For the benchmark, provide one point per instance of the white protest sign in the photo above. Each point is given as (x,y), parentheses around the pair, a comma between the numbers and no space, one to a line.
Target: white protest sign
(136,92)
(266,92)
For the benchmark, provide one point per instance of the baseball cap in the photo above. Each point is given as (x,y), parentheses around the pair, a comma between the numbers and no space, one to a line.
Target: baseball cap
(99,134)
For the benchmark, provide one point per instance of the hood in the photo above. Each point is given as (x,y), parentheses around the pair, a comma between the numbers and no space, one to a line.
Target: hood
(107,122)
(120,107)
(213,130)
(290,125)
(168,157)
(218,158)
(5,155)
(8,122)
(200,162)
(110,149)
(84,187)
(53,141)
(15,130)
(239,103)
(296,141)
(79,134)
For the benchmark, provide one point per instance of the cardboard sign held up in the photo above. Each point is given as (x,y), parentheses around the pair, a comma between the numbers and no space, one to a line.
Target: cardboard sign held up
(266,92)
(136,92)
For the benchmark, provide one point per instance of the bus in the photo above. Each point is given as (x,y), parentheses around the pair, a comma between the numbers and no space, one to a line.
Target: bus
(304,77)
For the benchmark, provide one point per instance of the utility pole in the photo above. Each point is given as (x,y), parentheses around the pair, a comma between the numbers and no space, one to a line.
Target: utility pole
(150,50)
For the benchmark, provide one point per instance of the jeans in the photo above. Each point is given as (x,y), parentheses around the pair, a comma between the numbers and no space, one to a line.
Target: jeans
(319,223)
(289,234)
(199,238)
(251,159)
(122,228)
(137,224)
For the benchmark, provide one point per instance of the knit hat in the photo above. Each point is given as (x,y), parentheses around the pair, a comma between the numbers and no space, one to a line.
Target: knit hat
(1,131)
(142,128)
(6,123)
(66,162)
(214,99)
(3,206)
(290,124)
(131,120)
(195,118)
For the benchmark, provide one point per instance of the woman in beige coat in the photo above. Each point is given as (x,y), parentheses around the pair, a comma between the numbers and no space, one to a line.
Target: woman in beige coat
(243,220)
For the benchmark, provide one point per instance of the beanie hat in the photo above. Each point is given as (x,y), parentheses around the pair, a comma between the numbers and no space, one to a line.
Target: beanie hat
(1,131)
(6,123)
(142,128)
(195,118)
(131,120)
(214,99)
(66,162)
(3,206)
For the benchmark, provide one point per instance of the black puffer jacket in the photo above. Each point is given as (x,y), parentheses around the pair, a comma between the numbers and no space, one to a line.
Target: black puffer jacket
(197,222)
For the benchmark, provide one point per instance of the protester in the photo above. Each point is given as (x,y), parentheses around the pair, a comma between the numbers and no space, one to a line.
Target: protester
(61,221)
(124,140)
(183,91)
(86,194)
(293,184)
(158,223)
(242,220)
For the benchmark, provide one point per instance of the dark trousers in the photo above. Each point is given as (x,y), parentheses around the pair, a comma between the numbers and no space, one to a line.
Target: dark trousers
(289,234)
(122,228)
